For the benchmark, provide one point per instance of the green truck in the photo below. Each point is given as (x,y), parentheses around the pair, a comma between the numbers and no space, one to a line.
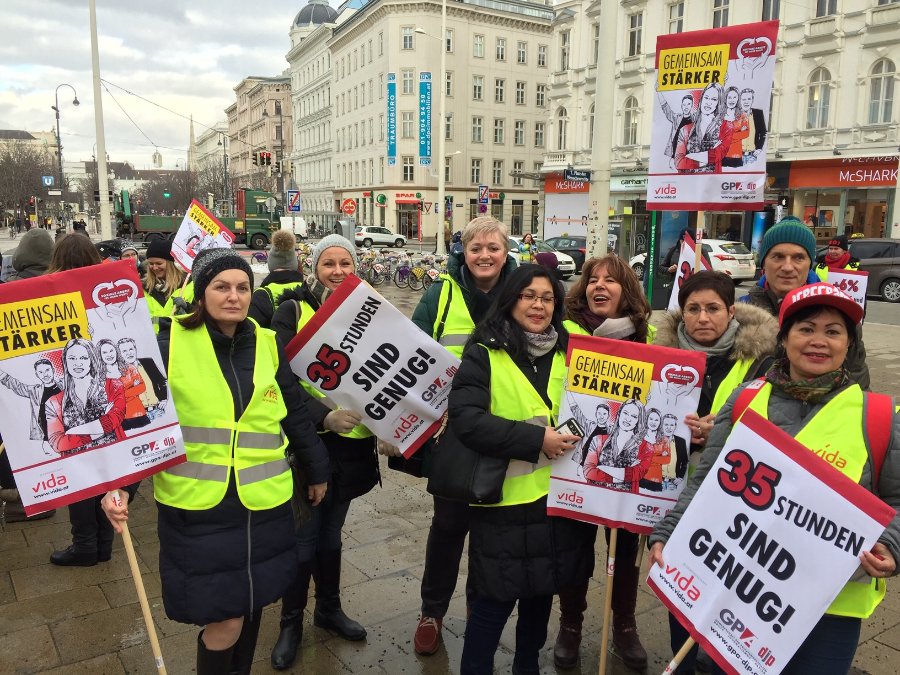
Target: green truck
(258,216)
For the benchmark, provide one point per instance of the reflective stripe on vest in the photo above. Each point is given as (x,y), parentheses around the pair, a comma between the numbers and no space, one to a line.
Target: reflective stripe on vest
(359,431)
(839,424)
(254,445)
(514,398)
(734,377)
(458,325)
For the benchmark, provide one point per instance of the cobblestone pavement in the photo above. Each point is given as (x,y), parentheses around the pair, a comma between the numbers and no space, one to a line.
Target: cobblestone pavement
(87,620)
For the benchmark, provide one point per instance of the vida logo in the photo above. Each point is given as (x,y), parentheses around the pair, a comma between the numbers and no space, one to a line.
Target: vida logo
(683,582)
(667,189)
(572,497)
(49,483)
(406,423)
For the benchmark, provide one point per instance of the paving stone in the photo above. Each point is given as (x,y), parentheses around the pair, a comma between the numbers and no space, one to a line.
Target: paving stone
(378,529)
(32,649)
(179,654)
(25,556)
(46,579)
(105,664)
(122,591)
(387,557)
(382,598)
(7,592)
(110,630)
(12,539)
(48,609)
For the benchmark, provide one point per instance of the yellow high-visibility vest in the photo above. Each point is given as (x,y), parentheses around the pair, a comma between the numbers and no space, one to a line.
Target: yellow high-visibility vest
(458,324)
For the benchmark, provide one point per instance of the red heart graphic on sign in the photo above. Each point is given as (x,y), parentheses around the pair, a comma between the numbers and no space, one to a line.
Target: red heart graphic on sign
(753,49)
(680,375)
(114,292)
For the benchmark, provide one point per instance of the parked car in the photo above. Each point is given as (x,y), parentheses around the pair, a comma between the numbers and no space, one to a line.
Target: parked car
(566,265)
(575,247)
(881,259)
(731,257)
(367,236)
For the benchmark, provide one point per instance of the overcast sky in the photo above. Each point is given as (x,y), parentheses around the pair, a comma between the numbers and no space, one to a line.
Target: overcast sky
(186,56)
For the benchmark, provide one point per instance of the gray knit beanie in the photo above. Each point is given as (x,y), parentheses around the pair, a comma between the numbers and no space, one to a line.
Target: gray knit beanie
(789,230)
(330,241)
(282,255)
(212,261)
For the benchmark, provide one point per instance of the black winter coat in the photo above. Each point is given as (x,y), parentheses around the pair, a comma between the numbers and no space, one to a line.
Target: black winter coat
(262,303)
(354,462)
(515,551)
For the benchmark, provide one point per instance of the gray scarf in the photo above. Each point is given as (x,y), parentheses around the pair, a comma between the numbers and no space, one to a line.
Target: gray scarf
(616,329)
(721,347)
(540,343)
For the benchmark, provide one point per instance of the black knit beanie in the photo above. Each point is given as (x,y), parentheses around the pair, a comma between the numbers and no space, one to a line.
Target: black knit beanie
(212,261)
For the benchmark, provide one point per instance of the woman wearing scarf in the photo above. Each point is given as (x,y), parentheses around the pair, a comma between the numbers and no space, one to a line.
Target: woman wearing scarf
(607,301)
(836,258)
(738,340)
(354,464)
(504,403)
(809,395)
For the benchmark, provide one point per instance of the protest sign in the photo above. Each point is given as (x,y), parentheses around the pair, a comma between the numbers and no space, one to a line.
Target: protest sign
(687,260)
(351,352)
(630,400)
(198,230)
(82,386)
(768,541)
(853,282)
(711,117)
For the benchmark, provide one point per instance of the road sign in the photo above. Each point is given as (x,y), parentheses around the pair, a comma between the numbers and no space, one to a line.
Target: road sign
(348,206)
(484,192)
(47,181)
(293,201)
(54,193)
(271,203)
(576,174)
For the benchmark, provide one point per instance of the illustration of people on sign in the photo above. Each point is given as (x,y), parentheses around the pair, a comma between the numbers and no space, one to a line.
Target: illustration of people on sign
(90,409)
(119,360)
(48,385)
(702,145)
(598,434)
(624,457)
(677,120)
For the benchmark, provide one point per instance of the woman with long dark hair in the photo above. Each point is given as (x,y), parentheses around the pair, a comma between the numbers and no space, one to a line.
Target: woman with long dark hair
(703,144)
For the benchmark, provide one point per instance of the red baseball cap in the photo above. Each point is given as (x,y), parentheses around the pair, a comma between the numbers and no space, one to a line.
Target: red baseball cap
(819,294)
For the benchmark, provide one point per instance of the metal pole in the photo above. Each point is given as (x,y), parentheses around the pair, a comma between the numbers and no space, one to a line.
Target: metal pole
(442,121)
(102,177)
(75,102)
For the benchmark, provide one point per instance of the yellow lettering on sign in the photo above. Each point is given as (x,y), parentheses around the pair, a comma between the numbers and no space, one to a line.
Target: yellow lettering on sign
(692,67)
(36,325)
(611,377)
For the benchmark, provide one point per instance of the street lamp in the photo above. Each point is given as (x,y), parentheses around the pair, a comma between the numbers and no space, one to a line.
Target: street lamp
(225,197)
(75,102)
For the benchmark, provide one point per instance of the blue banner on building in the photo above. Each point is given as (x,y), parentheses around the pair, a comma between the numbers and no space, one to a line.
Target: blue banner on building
(425,118)
(392,119)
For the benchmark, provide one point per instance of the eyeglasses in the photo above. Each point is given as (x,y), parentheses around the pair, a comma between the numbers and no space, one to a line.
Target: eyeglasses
(531,297)
(711,310)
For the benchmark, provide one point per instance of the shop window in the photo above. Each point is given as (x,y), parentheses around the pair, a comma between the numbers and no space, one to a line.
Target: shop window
(818,98)
(881,92)
(562,130)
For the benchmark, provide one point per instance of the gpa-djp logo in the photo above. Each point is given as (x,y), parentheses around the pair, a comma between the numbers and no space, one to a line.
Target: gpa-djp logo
(746,637)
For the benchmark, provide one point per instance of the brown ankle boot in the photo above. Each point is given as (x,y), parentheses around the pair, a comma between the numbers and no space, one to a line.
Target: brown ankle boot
(568,643)
(628,644)
(572,604)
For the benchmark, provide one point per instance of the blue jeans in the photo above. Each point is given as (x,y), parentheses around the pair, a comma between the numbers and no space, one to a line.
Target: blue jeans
(485,626)
(322,532)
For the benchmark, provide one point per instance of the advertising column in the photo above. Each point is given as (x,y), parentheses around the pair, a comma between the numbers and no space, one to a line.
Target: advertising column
(425,118)
(392,119)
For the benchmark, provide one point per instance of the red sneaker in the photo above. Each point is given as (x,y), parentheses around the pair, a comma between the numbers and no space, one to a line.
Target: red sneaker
(428,635)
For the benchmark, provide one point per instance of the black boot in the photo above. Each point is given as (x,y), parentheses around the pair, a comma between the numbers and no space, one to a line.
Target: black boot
(328,612)
(245,647)
(292,605)
(211,662)
(625,637)
(572,604)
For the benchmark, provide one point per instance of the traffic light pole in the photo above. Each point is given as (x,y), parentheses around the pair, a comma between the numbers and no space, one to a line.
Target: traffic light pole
(102,175)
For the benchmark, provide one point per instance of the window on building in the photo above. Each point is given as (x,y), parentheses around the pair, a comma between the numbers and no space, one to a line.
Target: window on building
(826,7)
(498,172)
(519,132)
(407,37)
(499,130)
(542,56)
(371,130)
(476,171)
(720,13)
(595,44)
(499,90)
(380,86)
(407,125)
(520,93)
(591,127)
(477,129)
(538,182)
(409,173)
(676,17)
(564,46)
(448,84)
(818,98)
(448,40)
(448,128)
(501,49)
(881,92)
(635,33)
(521,52)
(539,134)
(448,169)
(541,95)
(630,121)
(381,171)
(478,46)
(518,170)
(408,81)
(562,129)
(478,87)
(771,10)
(381,44)
(381,127)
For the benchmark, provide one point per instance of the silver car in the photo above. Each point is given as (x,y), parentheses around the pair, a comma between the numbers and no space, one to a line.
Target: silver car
(367,236)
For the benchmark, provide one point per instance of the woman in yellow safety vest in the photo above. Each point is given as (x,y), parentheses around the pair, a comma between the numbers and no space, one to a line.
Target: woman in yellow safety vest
(504,403)
(225,524)
(607,301)
(809,395)
(162,281)
(739,342)
(351,447)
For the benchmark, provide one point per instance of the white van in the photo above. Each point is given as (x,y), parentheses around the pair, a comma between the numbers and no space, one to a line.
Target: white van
(296,224)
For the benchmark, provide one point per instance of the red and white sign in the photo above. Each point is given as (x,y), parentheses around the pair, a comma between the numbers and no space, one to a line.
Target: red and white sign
(768,541)
(82,386)
(687,260)
(199,230)
(348,206)
(350,352)
(853,282)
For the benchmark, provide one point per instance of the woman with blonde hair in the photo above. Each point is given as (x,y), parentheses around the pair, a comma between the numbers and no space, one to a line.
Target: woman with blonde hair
(162,281)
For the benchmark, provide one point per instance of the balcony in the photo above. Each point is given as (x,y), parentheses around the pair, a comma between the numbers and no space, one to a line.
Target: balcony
(881,27)
(557,161)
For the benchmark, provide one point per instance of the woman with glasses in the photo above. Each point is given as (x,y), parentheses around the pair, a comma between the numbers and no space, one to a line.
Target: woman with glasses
(739,342)
(504,403)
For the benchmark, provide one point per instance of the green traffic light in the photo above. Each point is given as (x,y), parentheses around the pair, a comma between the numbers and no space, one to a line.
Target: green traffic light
(167,194)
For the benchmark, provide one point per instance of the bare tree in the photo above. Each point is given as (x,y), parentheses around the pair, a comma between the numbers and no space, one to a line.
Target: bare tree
(21,166)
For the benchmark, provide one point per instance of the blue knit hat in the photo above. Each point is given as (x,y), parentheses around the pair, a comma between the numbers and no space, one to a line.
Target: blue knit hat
(789,230)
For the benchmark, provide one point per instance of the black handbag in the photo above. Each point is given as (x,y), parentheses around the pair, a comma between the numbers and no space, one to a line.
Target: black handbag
(460,474)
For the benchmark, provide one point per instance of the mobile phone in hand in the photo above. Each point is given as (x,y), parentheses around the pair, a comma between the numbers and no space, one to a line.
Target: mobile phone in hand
(571,426)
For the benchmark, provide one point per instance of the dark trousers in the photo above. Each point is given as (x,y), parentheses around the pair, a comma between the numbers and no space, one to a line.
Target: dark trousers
(446,539)
(625,581)
(91,529)
(485,626)
(322,532)
(6,474)
(828,649)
